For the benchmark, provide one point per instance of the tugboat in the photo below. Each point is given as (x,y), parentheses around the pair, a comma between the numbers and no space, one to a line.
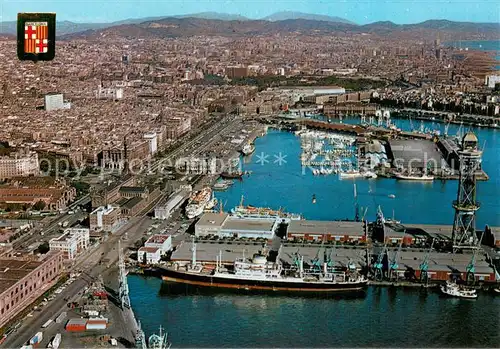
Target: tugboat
(453,289)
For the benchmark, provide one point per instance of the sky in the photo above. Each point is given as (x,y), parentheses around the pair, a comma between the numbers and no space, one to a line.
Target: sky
(358,11)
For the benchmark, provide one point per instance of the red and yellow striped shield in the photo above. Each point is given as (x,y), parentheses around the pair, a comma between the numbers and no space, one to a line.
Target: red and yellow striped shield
(35,37)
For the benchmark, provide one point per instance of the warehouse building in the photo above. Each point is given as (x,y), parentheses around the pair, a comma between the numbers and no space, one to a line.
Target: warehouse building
(416,155)
(342,231)
(226,226)
(210,224)
(165,209)
(23,280)
(442,266)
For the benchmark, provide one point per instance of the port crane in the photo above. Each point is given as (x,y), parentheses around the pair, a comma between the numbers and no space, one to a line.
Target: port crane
(393,263)
(316,263)
(379,264)
(470,270)
(424,266)
(328,259)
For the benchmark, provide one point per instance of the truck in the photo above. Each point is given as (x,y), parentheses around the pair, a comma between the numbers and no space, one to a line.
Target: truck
(36,339)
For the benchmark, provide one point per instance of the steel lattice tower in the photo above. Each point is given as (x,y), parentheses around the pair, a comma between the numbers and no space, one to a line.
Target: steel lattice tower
(464,225)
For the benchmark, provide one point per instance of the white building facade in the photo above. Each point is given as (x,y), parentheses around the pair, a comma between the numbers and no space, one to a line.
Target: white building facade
(72,242)
(20,164)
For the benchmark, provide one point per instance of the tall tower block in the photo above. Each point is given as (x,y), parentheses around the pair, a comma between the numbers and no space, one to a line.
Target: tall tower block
(464,225)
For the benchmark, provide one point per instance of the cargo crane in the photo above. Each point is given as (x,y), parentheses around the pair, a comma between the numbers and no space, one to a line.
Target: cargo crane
(424,266)
(316,263)
(393,264)
(379,264)
(329,263)
(470,270)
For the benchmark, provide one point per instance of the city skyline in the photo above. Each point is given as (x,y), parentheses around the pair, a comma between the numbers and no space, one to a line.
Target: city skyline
(363,12)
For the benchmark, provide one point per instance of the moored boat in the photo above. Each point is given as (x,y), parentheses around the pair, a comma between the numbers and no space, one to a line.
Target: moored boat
(410,177)
(197,202)
(223,185)
(232,174)
(350,174)
(257,273)
(453,289)
(248,149)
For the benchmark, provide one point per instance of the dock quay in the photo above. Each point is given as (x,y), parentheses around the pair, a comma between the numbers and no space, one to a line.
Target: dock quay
(406,253)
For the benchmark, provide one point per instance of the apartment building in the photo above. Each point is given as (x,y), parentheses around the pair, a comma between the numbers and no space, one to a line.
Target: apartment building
(19,164)
(105,219)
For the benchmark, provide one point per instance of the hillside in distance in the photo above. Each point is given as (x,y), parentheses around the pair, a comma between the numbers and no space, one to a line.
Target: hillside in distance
(182,27)
(285,15)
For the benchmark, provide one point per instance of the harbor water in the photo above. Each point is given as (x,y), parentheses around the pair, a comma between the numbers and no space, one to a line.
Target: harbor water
(383,317)
(285,183)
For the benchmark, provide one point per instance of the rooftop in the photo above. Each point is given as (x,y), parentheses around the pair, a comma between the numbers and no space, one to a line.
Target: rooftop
(158,239)
(12,270)
(212,219)
(325,227)
(412,152)
(249,224)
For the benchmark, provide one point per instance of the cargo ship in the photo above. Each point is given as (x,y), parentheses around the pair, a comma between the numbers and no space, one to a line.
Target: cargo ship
(197,202)
(259,274)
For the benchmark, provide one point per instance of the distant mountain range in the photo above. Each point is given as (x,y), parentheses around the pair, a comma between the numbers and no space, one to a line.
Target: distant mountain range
(213,23)
(286,15)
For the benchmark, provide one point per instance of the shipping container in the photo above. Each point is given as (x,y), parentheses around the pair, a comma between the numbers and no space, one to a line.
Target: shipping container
(76,325)
(61,317)
(36,339)
(97,324)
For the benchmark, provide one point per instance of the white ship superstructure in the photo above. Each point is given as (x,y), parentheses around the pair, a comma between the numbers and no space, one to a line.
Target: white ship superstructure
(454,290)
(198,202)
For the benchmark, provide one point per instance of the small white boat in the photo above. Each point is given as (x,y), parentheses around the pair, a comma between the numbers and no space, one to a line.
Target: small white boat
(423,177)
(454,290)
(350,174)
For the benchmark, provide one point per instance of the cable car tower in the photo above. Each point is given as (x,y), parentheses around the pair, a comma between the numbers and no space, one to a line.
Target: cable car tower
(464,225)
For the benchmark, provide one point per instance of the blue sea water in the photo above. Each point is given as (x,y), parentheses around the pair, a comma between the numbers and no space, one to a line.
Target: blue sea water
(383,317)
(486,45)
(274,183)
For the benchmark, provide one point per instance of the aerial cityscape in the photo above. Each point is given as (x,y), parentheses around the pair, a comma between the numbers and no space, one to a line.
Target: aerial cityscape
(247,176)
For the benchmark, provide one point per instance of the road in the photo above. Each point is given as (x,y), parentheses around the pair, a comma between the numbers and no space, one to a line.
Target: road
(89,261)
(102,257)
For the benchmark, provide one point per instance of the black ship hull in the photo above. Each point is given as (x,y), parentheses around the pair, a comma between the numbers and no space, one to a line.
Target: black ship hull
(231,175)
(205,280)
